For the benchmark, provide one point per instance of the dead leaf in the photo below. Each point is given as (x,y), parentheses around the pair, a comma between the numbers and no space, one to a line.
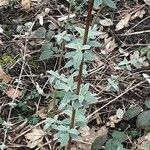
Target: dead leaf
(103,35)
(113,120)
(123,22)
(4,2)
(35,137)
(110,44)
(66,17)
(89,135)
(1,43)
(144,142)
(42,113)
(13,93)
(106,22)
(138,14)
(4,77)
(147,2)
(26,4)
(40,18)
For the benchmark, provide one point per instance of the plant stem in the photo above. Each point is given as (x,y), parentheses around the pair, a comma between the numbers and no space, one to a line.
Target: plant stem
(61,55)
(54,113)
(79,78)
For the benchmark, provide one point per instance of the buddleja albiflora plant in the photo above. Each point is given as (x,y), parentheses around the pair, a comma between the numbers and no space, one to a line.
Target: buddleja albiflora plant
(76,96)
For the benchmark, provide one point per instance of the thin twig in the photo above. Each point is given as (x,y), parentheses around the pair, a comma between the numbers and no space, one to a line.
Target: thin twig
(135,33)
(113,100)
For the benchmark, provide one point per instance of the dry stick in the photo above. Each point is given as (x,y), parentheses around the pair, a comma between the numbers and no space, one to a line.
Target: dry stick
(26,131)
(85,39)
(63,43)
(61,55)
(135,33)
(127,90)
(137,24)
(13,100)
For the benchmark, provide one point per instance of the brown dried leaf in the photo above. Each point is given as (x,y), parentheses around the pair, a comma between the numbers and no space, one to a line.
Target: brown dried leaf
(123,22)
(42,113)
(138,14)
(89,135)
(147,2)
(144,142)
(4,77)
(106,22)
(35,137)
(1,43)
(26,4)
(103,35)
(113,120)
(4,2)
(13,93)
(110,44)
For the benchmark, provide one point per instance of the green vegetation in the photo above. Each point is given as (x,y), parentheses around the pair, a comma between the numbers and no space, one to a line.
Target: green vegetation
(68,69)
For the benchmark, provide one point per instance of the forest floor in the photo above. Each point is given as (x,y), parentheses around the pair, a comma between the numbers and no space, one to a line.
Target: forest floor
(121,84)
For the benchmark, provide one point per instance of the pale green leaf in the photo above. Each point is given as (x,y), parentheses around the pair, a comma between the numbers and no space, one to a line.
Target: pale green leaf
(77,59)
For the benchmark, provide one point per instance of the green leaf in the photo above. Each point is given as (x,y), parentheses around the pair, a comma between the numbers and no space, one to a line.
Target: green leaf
(119,136)
(62,36)
(70,54)
(144,50)
(80,120)
(69,64)
(131,113)
(80,30)
(147,103)
(61,86)
(94,44)
(97,3)
(3,146)
(89,56)
(62,128)
(124,62)
(92,32)
(143,120)
(90,98)
(33,120)
(81,98)
(134,133)
(109,3)
(63,139)
(47,51)
(77,59)
(72,45)
(49,122)
(85,47)
(68,112)
(99,142)
(74,131)
(112,144)
(62,106)
(84,89)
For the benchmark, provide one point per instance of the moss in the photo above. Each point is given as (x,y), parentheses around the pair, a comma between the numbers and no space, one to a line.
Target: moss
(5,60)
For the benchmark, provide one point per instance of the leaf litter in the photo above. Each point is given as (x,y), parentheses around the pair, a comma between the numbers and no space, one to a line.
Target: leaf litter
(35,137)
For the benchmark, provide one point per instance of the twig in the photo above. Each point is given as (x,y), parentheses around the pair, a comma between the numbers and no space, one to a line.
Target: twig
(137,24)
(135,33)
(113,100)
(21,134)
